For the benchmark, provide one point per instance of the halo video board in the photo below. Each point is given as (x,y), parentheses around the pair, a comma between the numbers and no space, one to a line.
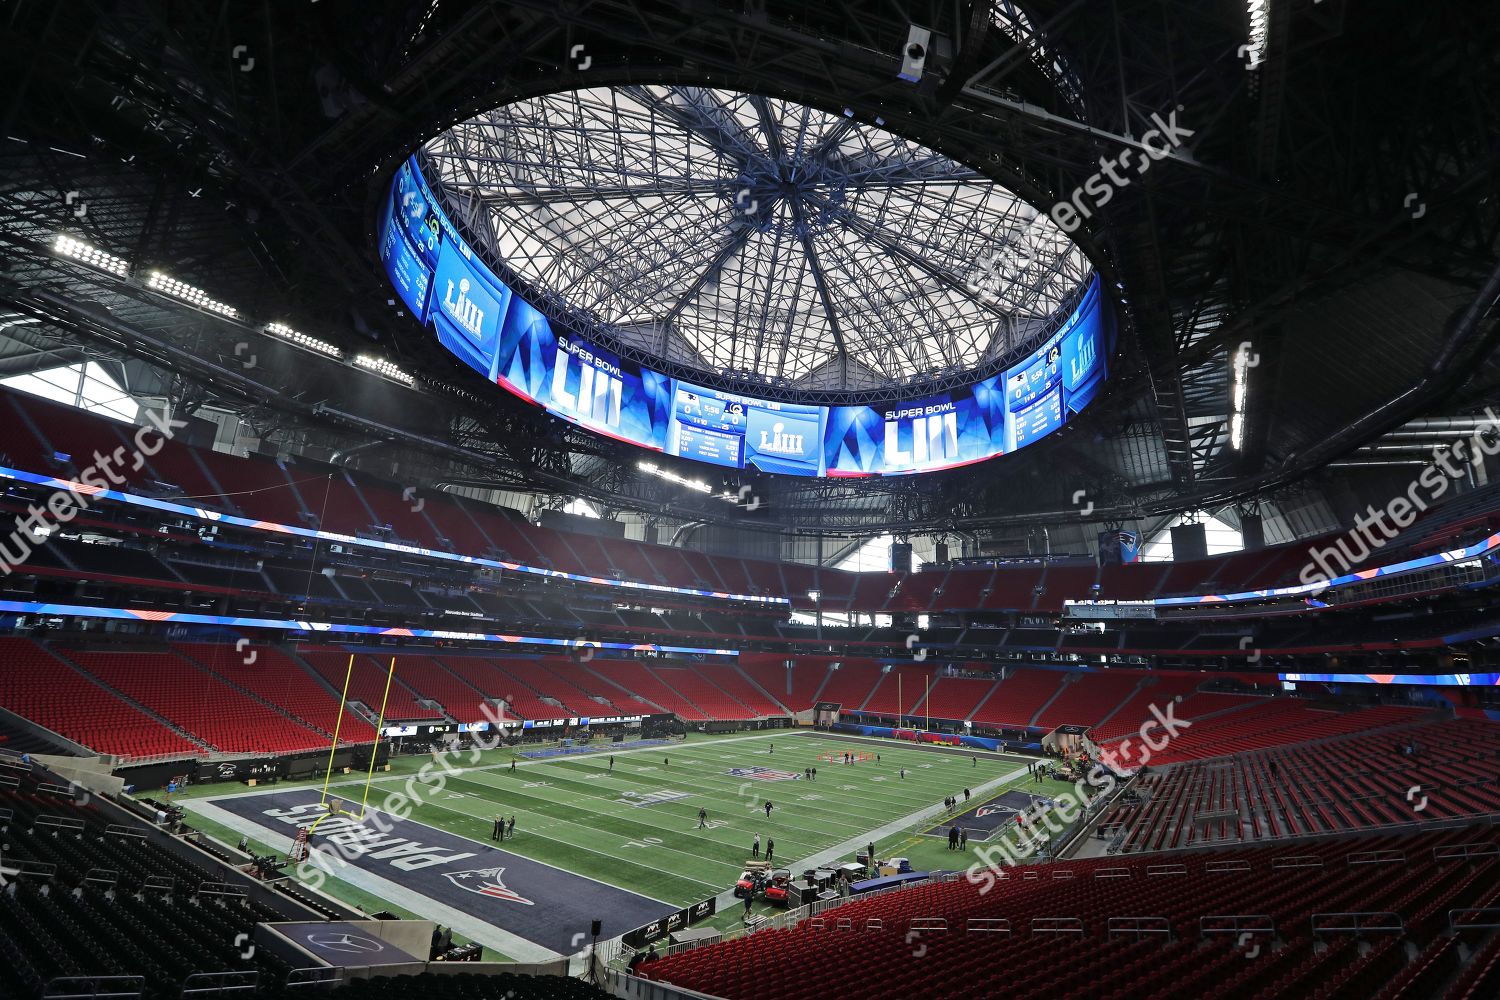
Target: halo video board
(483,322)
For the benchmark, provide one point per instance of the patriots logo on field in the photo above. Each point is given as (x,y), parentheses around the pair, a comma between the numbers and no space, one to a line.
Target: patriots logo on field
(486,882)
(993,810)
(763,774)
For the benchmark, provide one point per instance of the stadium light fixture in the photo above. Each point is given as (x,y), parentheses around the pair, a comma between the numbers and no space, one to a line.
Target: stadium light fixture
(302,340)
(384,368)
(168,285)
(672,477)
(84,253)
(1260,22)
(1239,393)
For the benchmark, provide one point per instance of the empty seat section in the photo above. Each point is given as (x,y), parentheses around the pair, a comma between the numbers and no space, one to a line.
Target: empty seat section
(198,703)
(1089,698)
(261,488)
(37,686)
(1019,696)
(391,508)
(811,958)
(433,682)
(272,676)
(637,679)
(956,698)
(1168,688)
(732,682)
(851,683)
(367,684)
(555,677)
(900,690)
(794,688)
(496,683)
(704,694)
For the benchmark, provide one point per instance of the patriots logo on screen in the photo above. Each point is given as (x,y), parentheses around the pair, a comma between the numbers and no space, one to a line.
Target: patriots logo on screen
(486,882)
(762,774)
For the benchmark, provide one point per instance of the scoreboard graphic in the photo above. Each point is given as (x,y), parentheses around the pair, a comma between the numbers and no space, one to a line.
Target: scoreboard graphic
(484,323)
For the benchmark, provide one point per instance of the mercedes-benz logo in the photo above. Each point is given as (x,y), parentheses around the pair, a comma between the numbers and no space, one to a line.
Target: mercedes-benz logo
(354,944)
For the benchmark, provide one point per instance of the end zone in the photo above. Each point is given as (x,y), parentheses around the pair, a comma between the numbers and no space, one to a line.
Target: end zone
(986,820)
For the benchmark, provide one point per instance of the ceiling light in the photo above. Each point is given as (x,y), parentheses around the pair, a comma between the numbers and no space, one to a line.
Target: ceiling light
(672,477)
(1239,393)
(168,285)
(67,246)
(303,340)
(1260,17)
(382,367)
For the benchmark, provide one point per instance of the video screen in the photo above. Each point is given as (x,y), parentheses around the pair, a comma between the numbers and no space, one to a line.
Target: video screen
(483,322)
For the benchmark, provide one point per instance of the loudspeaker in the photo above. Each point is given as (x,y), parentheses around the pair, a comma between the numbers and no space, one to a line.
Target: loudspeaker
(596,927)
(914,54)
(1253,532)
(940,552)
(901,557)
(1189,541)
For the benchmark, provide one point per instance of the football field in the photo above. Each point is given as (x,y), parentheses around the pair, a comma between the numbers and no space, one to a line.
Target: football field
(622,843)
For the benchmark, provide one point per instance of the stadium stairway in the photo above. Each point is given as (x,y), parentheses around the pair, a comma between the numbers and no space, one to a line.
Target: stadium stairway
(979,705)
(1067,679)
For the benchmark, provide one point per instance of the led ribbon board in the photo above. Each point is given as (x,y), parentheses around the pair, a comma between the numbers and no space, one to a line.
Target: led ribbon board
(293,625)
(1435,680)
(1465,554)
(217,517)
(478,318)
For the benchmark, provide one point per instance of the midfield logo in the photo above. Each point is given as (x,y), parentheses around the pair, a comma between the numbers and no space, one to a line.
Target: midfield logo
(486,882)
(763,774)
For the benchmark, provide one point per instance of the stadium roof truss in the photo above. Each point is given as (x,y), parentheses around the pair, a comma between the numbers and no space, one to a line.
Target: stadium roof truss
(734,234)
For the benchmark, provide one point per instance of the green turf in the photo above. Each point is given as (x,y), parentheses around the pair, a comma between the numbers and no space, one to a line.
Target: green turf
(572,812)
